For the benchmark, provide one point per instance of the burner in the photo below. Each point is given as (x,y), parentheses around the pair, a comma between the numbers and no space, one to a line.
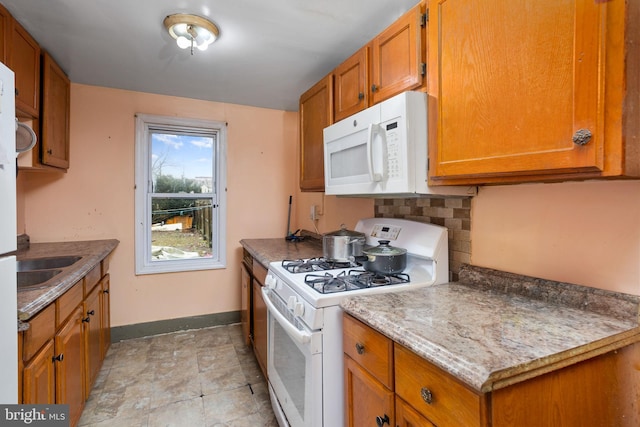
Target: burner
(369,279)
(327,283)
(314,264)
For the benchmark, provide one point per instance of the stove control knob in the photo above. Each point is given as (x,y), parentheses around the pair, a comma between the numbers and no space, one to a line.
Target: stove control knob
(270,281)
(291,302)
(299,309)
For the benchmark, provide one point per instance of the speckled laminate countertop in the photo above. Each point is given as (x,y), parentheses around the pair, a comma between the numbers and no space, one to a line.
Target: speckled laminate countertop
(269,250)
(492,329)
(30,302)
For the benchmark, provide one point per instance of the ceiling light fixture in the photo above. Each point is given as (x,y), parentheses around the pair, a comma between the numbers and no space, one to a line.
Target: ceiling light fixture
(191,31)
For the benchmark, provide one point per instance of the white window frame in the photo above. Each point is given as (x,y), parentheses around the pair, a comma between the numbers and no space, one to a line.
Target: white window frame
(145,124)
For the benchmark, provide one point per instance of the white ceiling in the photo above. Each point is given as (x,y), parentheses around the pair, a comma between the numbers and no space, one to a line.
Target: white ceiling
(268,53)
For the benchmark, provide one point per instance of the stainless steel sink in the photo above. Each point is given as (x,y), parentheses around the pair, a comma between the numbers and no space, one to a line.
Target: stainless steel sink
(28,280)
(28,265)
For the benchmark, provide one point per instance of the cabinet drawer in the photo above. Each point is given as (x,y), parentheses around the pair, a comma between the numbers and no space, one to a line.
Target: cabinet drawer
(451,403)
(42,327)
(68,302)
(91,279)
(259,272)
(369,348)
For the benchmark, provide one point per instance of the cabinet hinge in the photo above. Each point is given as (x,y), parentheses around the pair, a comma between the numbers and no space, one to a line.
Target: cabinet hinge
(423,68)
(425,18)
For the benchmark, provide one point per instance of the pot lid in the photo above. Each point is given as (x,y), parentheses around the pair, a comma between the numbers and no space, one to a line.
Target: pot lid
(384,248)
(344,232)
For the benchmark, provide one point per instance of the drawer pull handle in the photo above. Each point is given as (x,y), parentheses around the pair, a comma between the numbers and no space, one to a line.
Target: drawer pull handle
(359,348)
(427,396)
(380,421)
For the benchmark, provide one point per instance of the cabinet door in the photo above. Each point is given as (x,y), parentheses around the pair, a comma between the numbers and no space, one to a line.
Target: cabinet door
(245,301)
(517,93)
(24,60)
(367,401)
(397,63)
(5,33)
(259,327)
(316,113)
(39,377)
(93,350)
(351,85)
(69,352)
(55,114)
(406,416)
(105,318)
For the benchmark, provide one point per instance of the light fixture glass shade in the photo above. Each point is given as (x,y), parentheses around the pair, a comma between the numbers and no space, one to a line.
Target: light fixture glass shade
(191,31)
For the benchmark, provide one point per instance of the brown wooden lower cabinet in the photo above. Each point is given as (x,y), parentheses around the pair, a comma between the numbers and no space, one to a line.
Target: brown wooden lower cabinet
(93,350)
(39,377)
(61,363)
(259,327)
(69,365)
(601,391)
(105,318)
(370,403)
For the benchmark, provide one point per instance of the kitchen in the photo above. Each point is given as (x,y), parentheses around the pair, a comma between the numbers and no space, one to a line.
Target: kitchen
(584,232)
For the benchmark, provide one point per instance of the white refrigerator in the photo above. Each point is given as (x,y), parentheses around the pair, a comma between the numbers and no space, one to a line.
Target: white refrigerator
(8,232)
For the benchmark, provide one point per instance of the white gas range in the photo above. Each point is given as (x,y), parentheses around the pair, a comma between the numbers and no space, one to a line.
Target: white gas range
(305,361)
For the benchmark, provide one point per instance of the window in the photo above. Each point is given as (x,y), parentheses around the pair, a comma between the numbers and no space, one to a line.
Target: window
(180,194)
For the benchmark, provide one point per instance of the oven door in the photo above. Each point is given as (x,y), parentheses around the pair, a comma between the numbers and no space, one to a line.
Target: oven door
(294,365)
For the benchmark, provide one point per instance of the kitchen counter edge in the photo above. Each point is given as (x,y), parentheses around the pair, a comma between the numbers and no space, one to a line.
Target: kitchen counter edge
(31,302)
(270,250)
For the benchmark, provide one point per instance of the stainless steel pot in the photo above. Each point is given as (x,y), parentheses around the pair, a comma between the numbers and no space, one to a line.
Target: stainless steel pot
(385,259)
(342,245)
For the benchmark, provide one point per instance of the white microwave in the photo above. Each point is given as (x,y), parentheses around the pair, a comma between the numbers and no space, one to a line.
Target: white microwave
(382,151)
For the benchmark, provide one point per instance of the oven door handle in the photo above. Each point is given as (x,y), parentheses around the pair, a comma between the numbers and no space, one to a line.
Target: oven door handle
(300,336)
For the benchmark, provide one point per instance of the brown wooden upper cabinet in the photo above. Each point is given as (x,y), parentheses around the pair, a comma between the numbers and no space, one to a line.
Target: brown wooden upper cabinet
(23,57)
(54,144)
(5,28)
(397,60)
(548,94)
(316,113)
(393,62)
(351,85)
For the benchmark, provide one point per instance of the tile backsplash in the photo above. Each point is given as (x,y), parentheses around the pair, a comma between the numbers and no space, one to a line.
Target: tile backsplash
(451,212)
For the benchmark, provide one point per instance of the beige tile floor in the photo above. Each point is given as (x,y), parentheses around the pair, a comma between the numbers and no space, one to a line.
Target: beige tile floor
(205,377)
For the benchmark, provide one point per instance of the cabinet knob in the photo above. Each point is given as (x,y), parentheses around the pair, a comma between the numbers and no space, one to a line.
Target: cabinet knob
(380,421)
(57,358)
(106,291)
(360,96)
(359,348)
(86,320)
(374,88)
(426,394)
(91,313)
(49,151)
(582,137)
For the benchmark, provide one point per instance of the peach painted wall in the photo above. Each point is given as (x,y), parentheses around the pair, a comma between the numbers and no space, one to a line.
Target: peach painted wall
(95,199)
(586,233)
